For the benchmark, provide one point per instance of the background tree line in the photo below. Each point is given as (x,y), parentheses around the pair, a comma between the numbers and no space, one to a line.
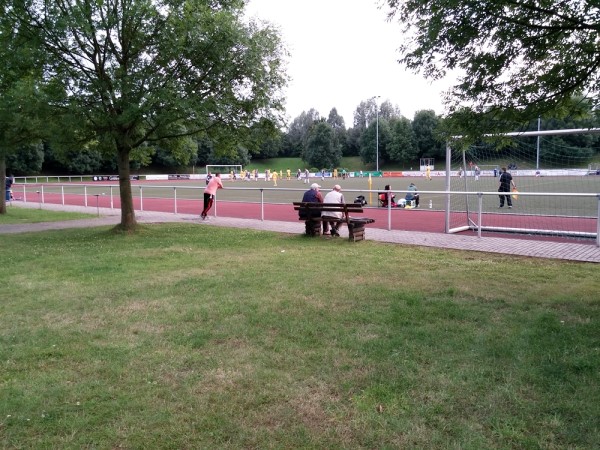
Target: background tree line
(318,141)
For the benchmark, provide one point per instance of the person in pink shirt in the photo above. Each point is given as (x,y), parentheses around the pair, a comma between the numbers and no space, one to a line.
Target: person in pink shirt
(209,193)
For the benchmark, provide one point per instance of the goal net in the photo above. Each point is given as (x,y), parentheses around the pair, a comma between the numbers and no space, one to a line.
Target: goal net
(426,162)
(558,188)
(227,171)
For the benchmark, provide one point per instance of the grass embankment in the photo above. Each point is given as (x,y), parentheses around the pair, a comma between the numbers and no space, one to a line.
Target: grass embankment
(352,163)
(188,336)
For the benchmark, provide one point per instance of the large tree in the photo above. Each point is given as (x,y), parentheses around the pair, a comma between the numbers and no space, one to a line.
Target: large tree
(19,130)
(131,73)
(295,140)
(516,58)
(265,140)
(374,142)
(426,128)
(365,113)
(403,145)
(20,73)
(338,126)
(322,150)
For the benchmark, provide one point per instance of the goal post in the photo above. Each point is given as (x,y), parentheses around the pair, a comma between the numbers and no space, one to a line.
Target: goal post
(561,191)
(224,169)
(425,162)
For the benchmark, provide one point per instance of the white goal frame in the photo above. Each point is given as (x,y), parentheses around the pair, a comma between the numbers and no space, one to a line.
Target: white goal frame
(424,162)
(469,225)
(224,169)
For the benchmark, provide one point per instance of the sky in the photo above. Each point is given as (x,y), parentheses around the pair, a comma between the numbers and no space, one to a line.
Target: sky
(344,52)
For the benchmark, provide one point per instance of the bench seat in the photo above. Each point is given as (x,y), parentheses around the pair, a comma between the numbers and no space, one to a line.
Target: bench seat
(317,213)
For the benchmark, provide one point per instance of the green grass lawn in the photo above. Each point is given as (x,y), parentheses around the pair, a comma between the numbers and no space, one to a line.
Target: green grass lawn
(190,336)
(26,215)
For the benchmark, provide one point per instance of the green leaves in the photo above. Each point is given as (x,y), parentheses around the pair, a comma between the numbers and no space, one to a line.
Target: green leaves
(321,148)
(524,58)
(131,73)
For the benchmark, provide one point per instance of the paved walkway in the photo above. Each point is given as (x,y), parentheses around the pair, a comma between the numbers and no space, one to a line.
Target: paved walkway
(538,249)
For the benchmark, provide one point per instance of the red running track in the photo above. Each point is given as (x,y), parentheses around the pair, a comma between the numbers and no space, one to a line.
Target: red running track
(400,219)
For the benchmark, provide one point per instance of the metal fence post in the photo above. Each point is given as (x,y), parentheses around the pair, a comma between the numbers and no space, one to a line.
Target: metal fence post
(479,212)
(262,204)
(175,199)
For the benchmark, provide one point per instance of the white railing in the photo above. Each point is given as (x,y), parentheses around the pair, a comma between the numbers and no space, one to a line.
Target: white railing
(181,196)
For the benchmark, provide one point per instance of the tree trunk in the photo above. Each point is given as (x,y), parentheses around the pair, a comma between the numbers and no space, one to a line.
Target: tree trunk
(3,182)
(128,222)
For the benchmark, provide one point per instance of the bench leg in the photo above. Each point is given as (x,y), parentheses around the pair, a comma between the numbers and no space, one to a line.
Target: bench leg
(356,232)
(313,228)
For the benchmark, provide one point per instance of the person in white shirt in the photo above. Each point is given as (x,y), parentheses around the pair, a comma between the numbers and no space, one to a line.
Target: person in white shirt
(335,196)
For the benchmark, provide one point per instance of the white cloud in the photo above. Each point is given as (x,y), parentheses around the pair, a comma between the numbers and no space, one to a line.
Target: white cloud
(344,52)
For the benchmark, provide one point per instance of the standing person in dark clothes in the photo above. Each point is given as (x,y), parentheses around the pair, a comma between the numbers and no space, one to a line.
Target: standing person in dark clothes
(505,183)
(10,180)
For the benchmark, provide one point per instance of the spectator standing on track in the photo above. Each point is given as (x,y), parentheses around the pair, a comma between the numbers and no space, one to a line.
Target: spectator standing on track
(210,192)
(428,172)
(335,196)
(306,176)
(505,183)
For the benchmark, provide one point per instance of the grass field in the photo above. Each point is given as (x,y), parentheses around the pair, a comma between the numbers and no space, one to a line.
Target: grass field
(185,336)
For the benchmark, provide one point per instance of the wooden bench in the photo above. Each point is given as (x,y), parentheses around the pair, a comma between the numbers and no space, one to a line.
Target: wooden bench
(356,225)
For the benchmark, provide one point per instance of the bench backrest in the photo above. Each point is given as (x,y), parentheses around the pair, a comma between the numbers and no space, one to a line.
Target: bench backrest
(345,208)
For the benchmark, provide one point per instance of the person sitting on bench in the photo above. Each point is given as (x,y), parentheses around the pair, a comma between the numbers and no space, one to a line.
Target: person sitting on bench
(412,194)
(313,195)
(335,196)
(383,196)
